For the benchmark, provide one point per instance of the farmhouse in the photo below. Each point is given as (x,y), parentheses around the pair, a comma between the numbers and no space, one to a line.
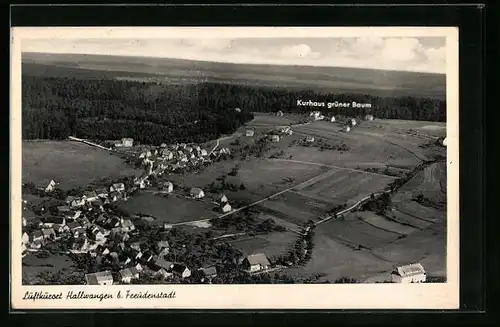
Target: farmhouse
(197,193)
(181,270)
(332,119)
(237,110)
(118,187)
(275,138)
(210,271)
(353,122)
(225,207)
(310,139)
(127,142)
(347,128)
(256,262)
(413,273)
(127,274)
(279,113)
(222,198)
(99,278)
(369,117)
(249,132)
(51,186)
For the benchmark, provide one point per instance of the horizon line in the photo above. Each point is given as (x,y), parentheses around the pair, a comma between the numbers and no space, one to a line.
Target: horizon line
(229,63)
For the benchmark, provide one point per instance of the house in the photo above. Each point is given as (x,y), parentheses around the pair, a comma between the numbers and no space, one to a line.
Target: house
(77,202)
(79,232)
(63,209)
(60,229)
(158,271)
(353,122)
(53,220)
(102,193)
(413,273)
(85,222)
(49,233)
(347,128)
(279,113)
(256,262)
(72,214)
(369,117)
(167,154)
(36,244)
(80,245)
(163,145)
(188,149)
(128,142)
(168,187)
(127,225)
(25,238)
(445,142)
(69,199)
(225,207)
(309,139)
(237,109)
(320,117)
(162,263)
(181,270)
(203,153)
(74,225)
(136,246)
(275,138)
(50,187)
(197,148)
(222,198)
(163,245)
(332,119)
(197,193)
(118,187)
(127,274)
(99,278)
(210,271)
(249,132)
(182,146)
(90,196)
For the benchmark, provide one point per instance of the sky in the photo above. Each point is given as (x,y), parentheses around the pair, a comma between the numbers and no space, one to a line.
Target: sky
(417,54)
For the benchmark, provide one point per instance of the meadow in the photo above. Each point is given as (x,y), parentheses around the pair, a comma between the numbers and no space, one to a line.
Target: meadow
(69,163)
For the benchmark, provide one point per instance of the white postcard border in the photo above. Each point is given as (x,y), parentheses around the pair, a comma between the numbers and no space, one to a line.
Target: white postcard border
(291,296)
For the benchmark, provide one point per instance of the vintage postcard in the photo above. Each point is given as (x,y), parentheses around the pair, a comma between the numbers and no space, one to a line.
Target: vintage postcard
(234,168)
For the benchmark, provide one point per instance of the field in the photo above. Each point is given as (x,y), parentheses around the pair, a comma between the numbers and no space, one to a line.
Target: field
(171,209)
(336,260)
(376,82)
(357,233)
(384,223)
(346,186)
(33,266)
(272,244)
(427,246)
(69,163)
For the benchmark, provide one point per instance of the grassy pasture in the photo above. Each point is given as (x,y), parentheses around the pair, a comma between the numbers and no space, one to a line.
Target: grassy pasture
(271,245)
(33,266)
(69,163)
(172,209)
(384,223)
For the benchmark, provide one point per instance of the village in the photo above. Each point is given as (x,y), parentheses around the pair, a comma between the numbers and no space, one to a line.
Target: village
(87,225)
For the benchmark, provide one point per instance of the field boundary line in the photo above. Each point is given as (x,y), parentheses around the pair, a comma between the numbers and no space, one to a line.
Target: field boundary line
(334,167)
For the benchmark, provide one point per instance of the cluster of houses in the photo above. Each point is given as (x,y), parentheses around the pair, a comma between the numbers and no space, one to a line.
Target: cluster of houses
(316,115)
(280,132)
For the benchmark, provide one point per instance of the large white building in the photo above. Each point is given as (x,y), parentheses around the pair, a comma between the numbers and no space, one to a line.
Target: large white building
(413,273)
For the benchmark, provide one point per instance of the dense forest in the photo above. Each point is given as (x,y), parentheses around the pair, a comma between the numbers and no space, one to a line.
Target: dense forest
(153,113)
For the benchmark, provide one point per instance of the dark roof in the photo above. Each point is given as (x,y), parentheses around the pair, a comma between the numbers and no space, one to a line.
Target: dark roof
(179,268)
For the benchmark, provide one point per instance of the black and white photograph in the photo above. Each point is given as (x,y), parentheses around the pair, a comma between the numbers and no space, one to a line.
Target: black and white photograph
(234,158)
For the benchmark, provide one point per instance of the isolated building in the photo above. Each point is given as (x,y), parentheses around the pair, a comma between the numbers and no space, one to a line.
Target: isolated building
(256,262)
(347,128)
(275,138)
(413,273)
(99,278)
(310,139)
(181,270)
(353,122)
(237,110)
(197,193)
(250,132)
(168,187)
(127,142)
(279,113)
(225,207)
(332,119)
(222,198)
(51,186)
(369,117)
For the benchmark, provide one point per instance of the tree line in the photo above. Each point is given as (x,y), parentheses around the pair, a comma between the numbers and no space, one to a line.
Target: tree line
(152,113)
